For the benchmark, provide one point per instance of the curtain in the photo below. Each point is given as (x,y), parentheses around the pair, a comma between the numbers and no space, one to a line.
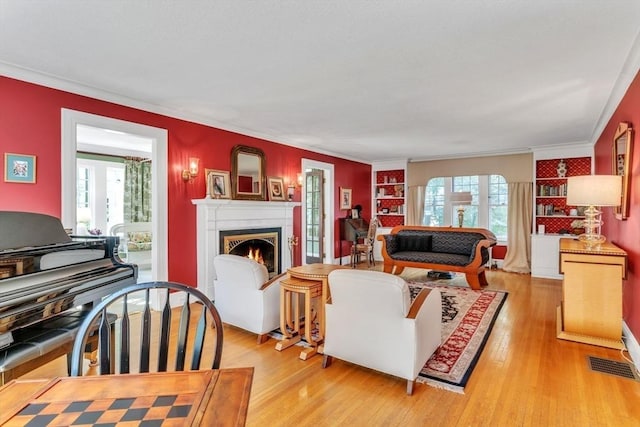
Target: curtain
(137,190)
(415,205)
(518,258)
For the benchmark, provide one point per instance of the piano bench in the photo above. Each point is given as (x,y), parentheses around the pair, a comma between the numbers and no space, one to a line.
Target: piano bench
(39,344)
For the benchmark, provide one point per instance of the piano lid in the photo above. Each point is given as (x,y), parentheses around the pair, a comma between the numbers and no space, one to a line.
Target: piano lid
(24,229)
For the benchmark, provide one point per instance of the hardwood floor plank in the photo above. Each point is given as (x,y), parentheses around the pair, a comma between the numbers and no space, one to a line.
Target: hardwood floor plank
(524,377)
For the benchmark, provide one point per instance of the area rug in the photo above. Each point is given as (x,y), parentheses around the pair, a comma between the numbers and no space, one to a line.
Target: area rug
(467,319)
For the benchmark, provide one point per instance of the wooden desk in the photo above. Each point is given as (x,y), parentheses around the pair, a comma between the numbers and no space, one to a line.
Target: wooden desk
(193,398)
(311,281)
(591,309)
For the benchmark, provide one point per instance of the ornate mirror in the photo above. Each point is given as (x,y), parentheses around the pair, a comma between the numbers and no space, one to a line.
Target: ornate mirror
(621,157)
(247,173)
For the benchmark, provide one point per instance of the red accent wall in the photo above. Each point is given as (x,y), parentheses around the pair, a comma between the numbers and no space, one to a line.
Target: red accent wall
(30,123)
(625,234)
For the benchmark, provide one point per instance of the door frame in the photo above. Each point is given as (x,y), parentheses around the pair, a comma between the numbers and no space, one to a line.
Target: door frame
(70,120)
(327,190)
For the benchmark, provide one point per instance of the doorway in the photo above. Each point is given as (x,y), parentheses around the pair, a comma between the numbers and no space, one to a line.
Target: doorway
(72,121)
(317,240)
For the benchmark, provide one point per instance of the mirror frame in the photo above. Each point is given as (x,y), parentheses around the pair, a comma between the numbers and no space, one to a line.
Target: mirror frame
(251,151)
(621,165)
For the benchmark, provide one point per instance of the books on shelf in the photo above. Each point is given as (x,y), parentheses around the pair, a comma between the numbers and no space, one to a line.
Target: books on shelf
(552,190)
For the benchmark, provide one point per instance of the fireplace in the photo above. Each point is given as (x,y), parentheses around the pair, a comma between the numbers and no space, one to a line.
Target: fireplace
(260,244)
(217,216)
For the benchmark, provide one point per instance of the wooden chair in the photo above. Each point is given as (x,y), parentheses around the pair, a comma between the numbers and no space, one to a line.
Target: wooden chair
(366,247)
(157,326)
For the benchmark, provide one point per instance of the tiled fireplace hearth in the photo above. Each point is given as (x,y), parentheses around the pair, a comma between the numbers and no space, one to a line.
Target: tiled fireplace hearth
(222,215)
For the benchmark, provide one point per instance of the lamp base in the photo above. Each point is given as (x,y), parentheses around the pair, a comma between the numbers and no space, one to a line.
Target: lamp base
(592,240)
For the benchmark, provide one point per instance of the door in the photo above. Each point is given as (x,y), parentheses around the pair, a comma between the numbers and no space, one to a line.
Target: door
(314,214)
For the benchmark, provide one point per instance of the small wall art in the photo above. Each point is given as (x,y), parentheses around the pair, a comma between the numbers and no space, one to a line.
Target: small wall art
(20,168)
(276,188)
(218,184)
(345,198)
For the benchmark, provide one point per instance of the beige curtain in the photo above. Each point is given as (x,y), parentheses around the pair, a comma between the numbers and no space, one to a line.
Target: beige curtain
(415,205)
(518,258)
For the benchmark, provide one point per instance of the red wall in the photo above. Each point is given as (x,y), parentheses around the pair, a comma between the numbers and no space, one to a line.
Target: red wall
(625,234)
(30,123)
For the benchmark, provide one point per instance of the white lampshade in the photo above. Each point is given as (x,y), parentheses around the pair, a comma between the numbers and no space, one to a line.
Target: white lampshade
(594,190)
(461,198)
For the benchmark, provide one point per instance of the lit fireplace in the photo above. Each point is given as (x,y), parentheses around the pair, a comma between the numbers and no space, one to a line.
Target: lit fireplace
(261,245)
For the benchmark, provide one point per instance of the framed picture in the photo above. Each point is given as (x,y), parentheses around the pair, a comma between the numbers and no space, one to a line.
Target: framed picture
(276,188)
(355,213)
(19,168)
(345,198)
(218,184)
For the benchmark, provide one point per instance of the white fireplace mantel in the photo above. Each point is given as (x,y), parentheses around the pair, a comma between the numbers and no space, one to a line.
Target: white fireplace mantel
(215,215)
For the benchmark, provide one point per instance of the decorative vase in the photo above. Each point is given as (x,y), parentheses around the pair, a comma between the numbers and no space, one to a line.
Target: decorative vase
(562,169)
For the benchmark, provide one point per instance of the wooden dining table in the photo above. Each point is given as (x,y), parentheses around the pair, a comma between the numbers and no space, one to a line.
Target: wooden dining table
(218,397)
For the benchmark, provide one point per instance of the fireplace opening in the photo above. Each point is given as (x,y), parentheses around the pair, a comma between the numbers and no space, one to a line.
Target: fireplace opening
(262,245)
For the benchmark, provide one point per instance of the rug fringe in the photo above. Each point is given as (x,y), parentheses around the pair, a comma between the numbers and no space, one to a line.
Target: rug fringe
(441,385)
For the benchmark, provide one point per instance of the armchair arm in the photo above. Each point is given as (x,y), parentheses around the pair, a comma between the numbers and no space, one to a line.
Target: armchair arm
(389,244)
(417,303)
(272,280)
(479,253)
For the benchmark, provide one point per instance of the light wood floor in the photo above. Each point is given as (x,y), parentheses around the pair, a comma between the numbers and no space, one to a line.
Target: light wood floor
(525,377)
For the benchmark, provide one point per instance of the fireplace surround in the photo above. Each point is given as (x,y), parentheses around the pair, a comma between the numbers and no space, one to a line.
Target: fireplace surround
(214,216)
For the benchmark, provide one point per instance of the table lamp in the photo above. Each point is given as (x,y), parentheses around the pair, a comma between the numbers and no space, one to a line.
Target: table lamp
(461,198)
(593,191)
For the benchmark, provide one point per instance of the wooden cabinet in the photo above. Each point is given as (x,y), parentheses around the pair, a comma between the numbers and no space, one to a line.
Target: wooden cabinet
(591,307)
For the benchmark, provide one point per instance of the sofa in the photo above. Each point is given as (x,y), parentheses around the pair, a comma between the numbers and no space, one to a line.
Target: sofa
(464,250)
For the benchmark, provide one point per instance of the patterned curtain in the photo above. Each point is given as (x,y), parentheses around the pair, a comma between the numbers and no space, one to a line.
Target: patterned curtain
(137,191)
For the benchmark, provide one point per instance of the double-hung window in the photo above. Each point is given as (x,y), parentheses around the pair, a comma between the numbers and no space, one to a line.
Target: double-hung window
(488,208)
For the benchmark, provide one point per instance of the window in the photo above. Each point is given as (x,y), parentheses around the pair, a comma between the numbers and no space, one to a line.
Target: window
(488,208)
(99,194)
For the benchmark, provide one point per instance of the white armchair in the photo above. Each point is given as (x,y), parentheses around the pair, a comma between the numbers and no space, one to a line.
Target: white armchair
(370,321)
(244,295)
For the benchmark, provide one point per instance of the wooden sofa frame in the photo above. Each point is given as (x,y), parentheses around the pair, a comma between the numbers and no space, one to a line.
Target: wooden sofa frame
(474,271)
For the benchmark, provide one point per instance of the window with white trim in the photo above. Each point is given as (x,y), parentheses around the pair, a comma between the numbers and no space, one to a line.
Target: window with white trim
(488,208)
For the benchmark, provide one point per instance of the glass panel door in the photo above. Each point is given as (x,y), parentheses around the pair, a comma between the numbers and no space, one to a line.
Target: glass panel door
(314,211)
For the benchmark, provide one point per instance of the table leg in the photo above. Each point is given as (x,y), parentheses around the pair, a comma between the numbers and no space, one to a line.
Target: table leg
(289,339)
(308,329)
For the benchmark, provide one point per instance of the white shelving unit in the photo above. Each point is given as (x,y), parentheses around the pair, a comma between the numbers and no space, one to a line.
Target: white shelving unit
(545,247)
(388,199)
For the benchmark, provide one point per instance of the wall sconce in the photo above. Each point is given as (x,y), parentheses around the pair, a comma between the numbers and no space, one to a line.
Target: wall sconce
(192,172)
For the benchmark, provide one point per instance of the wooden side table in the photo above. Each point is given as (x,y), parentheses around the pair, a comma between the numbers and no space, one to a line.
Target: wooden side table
(310,282)
(591,309)
(291,290)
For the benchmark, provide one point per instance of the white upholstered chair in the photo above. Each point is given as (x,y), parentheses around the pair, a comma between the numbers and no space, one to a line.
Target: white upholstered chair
(244,295)
(370,321)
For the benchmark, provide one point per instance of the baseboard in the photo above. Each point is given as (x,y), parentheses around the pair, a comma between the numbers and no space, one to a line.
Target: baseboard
(632,345)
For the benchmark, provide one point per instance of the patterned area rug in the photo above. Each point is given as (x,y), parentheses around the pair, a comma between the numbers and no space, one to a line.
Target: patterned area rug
(467,319)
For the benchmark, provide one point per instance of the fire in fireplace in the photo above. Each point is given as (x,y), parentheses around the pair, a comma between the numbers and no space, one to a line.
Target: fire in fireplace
(261,245)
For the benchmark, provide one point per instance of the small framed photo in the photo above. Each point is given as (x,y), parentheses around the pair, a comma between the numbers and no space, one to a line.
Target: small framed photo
(276,188)
(19,168)
(355,214)
(345,198)
(218,184)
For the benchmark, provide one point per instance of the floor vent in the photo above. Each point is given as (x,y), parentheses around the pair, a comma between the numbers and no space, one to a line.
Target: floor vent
(613,367)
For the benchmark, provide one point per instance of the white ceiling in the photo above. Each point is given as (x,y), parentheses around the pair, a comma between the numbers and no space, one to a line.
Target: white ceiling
(362,79)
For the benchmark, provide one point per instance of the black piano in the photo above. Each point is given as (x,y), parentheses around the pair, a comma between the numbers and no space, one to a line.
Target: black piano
(48,281)
(352,230)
